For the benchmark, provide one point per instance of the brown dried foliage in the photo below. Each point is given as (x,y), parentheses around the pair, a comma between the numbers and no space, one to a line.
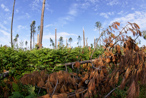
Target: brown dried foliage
(125,62)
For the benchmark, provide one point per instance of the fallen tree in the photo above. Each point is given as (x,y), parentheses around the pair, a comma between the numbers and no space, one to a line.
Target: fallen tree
(99,79)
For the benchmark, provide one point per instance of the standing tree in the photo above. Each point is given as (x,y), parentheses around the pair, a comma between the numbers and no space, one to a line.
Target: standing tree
(41,27)
(12,25)
(21,44)
(86,42)
(33,32)
(38,36)
(83,38)
(26,45)
(91,46)
(32,28)
(66,43)
(61,41)
(98,26)
(79,40)
(15,41)
(30,37)
(52,42)
(70,40)
(55,38)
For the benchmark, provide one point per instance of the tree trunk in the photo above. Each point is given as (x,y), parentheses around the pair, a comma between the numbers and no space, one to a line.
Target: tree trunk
(38,39)
(42,21)
(99,33)
(66,42)
(12,25)
(31,39)
(83,38)
(94,42)
(55,38)
(86,42)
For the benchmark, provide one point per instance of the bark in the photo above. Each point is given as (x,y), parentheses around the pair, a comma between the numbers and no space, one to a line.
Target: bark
(83,38)
(66,42)
(42,22)
(38,39)
(94,42)
(31,39)
(12,24)
(72,63)
(55,38)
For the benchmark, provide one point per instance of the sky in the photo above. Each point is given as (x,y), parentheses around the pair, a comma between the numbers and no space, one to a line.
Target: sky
(69,17)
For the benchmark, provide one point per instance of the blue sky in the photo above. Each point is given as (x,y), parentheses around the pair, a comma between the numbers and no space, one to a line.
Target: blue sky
(69,17)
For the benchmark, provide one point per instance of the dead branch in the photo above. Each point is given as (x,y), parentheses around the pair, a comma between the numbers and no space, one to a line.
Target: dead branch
(72,63)
(73,93)
(55,87)
(111,92)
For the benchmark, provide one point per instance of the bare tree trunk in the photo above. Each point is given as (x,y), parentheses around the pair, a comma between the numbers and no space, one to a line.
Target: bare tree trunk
(83,38)
(99,33)
(86,42)
(55,38)
(94,42)
(31,39)
(38,39)
(66,42)
(12,25)
(42,22)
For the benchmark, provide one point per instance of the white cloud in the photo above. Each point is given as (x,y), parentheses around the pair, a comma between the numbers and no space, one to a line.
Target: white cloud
(10,17)
(85,5)
(106,15)
(5,40)
(4,28)
(28,16)
(4,7)
(63,34)
(73,10)
(37,5)
(21,27)
(92,1)
(49,25)
(17,11)
(4,32)
(137,17)
(5,22)
(5,36)
(120,13)
(112,2)
(64,20)
(132,8)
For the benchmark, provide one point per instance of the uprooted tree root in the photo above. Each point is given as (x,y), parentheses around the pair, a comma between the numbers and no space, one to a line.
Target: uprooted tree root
(102,76)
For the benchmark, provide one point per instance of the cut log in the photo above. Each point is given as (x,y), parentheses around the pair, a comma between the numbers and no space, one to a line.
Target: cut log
(72,63)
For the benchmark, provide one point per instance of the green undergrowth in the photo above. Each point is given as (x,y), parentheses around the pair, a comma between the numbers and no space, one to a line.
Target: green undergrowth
(20,61)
